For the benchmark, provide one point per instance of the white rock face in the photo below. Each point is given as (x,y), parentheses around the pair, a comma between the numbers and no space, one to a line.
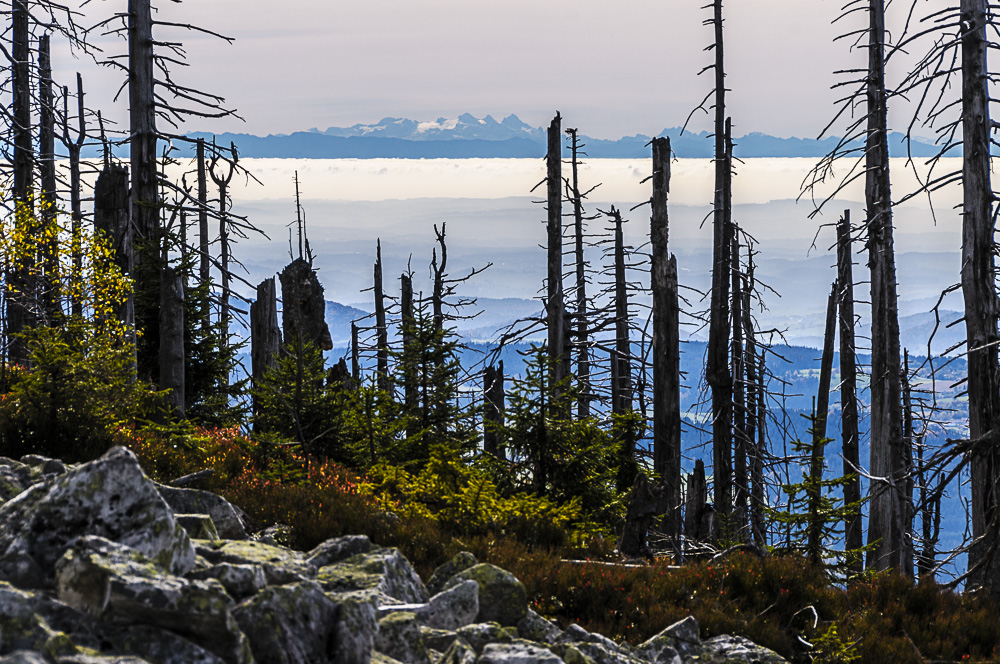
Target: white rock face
(453,608)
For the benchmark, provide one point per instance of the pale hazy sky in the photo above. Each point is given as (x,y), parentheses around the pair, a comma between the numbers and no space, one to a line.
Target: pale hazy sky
(611,68)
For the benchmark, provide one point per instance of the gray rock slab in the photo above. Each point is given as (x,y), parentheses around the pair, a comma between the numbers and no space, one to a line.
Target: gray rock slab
(291,624)
(517,653)
(194,501)
(339,548)
(459,563)
(737,649)
(382,570)
(240,581)
(502,598)
(455,607)
(399,637)
(111,498)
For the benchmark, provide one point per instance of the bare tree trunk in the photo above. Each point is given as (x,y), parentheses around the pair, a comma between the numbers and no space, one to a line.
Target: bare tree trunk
(979,291)
(582,333)
(73,147)
(204,273)
(355,359)
(666,348)
(853,533)
(111,218)
(826,364)
(717,372)
(265,334)
(623,355)
(887,530)
(410,395)
(381,333)
(493,413)
(20,295)
(172,338)
(555,305)
(697,498)
(47,167)
(741,479)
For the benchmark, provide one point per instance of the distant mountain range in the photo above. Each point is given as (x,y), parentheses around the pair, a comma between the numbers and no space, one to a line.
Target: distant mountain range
(468,136)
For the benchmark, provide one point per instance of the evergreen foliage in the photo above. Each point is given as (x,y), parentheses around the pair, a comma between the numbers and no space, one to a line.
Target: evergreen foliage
(79,386)
(815,513)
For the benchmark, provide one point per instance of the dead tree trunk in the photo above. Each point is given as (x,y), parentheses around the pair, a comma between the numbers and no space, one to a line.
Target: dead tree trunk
(355,355)
(411,397)
(582,332)
(555,305)
(853,534)
(303,310)
(47,168)
(111,219)
(204,272)
(172,339)
(717,372)
(979,291)
(493,413)
(623,359)
(826,365)
(222,182)
(73,147)
(740,444)
(756,413)
(19,296)
(265,335)
(666,348)
(381,333)
(887,529)
(695,505)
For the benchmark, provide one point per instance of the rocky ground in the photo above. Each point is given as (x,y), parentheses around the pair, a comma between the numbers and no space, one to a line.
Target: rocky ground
(98,564)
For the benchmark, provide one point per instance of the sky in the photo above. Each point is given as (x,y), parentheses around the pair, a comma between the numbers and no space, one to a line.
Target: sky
(611,68)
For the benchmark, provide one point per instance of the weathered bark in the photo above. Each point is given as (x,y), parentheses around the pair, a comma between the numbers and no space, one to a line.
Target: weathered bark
(741,481)
(49,286)
(381,332)
(622,404)
(887,530)
(204,273)
(756,432)
(172,339)
(717,372)
(826,364)
(111,219)
(979,291)
(555,306)
(582,332)
(73,147)
(19,298)
(303,310)
(666,348)
(853,534)
(355,355)
(142,115)
(409,369)
(222,182)
(493,413)
(265,335)
(696,505)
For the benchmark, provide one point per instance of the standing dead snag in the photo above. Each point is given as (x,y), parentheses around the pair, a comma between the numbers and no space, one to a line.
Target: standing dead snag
(666,348)
(47,167)
(621,360)
(979,292)
(853,534)
(111,219)
(204,273)
(888,530)
(265,335)
(222,182)
(303,310)
(73,147)
(493,412)
(381,332)
(172,338)
(407,323)
(582,333)
(555,306)
(19,305)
